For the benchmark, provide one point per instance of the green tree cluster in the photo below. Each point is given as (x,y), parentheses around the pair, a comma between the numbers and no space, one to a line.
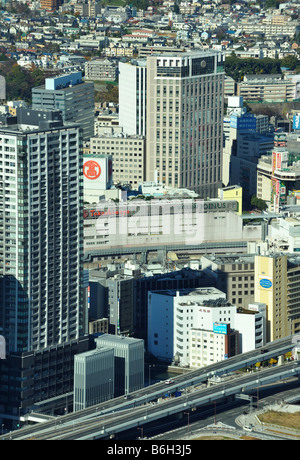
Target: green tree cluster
(258,203)
(237,68)
(20,81)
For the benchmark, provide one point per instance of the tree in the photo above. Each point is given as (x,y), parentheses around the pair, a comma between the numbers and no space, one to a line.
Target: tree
(258,203)
(290,62)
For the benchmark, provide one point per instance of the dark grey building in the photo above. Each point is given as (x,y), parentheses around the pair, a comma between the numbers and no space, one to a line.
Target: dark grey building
(72,96)
(41,244)
(129,361)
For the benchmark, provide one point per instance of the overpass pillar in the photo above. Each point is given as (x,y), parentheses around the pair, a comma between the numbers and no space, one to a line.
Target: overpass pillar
(280,360)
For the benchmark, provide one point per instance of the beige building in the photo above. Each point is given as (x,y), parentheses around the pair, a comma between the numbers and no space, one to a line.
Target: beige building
(185,95)
(271,289)
(277,285)
(235,276)
(128,154)
(267,88)
(100,69)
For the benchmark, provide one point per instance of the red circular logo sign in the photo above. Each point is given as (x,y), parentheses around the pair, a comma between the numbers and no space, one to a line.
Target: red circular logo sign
(91,169)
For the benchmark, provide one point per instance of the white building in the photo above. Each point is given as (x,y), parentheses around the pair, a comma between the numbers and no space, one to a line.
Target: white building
(200,327)
(132,97)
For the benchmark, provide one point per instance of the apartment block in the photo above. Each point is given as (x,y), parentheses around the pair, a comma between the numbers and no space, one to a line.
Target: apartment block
(100,69)
(41,234)
(266,88)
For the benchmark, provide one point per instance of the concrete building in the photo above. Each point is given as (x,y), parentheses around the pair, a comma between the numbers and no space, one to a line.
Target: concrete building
(70,94)
(129,361)
(155,223)
(232,193)
(93,378)
(276,285)
(266,88)
(211,346)
(41,270)
(128,156)
(278,175)
(185,120)
(271,289)
(198,327)
(133,97)
(37,235)
(100,69)
(234,276)
(284,235)
(244,144)
(253,319)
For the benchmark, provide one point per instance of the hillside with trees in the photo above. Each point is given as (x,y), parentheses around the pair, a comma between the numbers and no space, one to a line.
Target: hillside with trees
(236,67)
(20,81)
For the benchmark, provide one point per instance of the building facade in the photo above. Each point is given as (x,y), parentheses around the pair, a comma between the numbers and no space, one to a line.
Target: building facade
(93,377)
(128,156)
(41,234)
(176,318)
(185,120)
(133,97)
(129,361)
(70,94)
(100,69)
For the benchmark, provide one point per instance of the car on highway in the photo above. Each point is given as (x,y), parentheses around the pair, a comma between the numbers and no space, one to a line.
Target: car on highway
(169,381)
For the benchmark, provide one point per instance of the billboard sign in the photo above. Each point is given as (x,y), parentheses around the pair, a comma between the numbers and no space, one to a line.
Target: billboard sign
(296,121)
(97,172)
(220,328)
(265,283)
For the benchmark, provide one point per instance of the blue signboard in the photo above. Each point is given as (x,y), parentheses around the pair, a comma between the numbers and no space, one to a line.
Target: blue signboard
(265,283)
(296,121)
(220,328)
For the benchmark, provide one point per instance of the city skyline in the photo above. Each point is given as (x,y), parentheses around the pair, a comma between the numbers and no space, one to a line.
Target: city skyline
(149,201)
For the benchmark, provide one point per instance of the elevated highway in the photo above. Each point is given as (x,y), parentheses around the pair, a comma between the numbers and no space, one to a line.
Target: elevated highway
(120,414)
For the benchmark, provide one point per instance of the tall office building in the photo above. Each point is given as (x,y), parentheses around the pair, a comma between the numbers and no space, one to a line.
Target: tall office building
(70,94)
(132,97)
(41,231)
(185,120)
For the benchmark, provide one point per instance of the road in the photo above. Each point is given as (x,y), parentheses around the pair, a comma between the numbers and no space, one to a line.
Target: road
(226,414)
(119,414)
(104,425)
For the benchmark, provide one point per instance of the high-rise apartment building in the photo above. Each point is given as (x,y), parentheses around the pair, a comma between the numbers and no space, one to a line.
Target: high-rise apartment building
(185,120)
(41,231)
(72,96)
